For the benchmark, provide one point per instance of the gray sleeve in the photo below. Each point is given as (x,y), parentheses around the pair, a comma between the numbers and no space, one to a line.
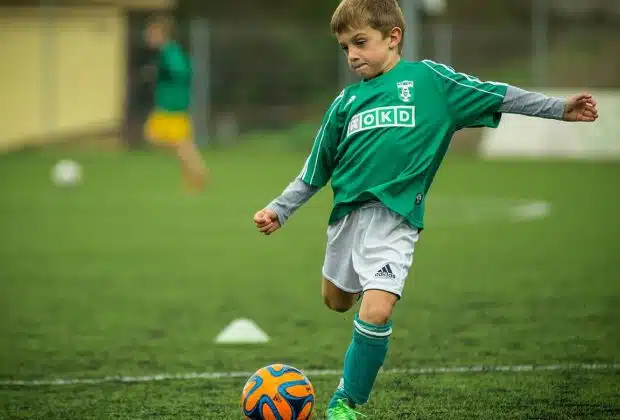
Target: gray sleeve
(296,194)
(519,101)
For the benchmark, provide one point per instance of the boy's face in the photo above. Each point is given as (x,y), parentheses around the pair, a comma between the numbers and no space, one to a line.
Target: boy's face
(154,36)
(368,51)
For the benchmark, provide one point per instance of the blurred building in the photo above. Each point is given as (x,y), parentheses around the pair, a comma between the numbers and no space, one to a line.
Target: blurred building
(70,67)
(64,68)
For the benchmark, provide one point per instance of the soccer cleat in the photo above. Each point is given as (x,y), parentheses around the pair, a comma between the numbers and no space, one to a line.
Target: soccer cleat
(342,412)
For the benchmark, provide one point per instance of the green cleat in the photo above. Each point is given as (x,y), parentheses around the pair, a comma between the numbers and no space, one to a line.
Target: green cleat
(342,412)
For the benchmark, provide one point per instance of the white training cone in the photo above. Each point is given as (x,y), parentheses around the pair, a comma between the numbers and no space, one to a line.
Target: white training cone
(242,331)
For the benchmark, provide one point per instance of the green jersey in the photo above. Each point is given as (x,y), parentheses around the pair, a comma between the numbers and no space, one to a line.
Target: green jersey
(384,138)
(172,92)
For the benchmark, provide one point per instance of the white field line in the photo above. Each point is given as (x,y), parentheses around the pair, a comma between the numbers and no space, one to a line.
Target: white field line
(602,367)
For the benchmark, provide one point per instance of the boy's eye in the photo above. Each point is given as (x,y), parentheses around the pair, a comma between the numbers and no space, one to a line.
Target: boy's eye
(344,47)
(360,42)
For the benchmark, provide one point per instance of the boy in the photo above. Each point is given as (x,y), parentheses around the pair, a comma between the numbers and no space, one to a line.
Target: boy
(381,142)
(169,125)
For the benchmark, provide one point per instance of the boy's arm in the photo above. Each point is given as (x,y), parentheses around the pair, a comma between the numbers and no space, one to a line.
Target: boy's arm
(315,175)
(318,167)
(577,108)
(533,104)
(474,103)
(292,198)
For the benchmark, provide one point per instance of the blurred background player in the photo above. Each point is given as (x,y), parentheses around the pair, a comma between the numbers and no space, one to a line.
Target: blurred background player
(380,144)
(170,125)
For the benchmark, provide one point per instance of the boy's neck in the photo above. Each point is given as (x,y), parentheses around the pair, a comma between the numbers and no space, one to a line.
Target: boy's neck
(389,66)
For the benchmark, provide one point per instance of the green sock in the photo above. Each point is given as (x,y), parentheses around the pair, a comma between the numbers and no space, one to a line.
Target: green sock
(362,362)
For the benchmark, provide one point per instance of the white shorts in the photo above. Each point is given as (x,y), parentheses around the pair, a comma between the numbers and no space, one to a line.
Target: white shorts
(370,248)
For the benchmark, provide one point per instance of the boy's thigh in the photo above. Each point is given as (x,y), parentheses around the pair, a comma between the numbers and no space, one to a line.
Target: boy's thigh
(383,250)
(371,248)
(338,264)
(335,297)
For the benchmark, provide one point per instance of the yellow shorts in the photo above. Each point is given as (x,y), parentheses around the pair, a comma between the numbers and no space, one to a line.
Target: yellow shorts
(168,127)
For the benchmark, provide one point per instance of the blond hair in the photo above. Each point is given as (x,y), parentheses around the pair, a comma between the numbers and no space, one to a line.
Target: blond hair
(381,15)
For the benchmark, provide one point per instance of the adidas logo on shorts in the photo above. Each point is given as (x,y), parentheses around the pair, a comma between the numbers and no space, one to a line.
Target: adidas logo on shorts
(386,271)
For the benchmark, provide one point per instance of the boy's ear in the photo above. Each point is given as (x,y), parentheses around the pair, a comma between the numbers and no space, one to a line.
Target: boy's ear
(396,36)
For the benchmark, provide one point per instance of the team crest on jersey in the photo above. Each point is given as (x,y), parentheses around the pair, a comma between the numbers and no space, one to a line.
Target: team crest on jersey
(404,91)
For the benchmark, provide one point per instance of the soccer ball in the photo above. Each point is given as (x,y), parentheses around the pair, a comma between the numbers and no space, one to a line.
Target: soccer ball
(66,173)
(277,392)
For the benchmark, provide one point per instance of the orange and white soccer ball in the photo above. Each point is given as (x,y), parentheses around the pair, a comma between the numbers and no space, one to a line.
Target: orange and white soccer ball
(277,392)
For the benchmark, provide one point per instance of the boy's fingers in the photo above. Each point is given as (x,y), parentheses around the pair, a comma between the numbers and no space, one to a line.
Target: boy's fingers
(590,110)
(262,218)
(580,99)
(272,228)
(588,116)
(266,228)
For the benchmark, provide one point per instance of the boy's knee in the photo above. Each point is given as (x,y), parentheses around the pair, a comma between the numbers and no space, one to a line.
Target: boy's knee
(377,314)
(377,307)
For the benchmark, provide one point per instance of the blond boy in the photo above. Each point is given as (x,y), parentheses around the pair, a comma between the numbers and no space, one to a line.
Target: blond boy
(380,144)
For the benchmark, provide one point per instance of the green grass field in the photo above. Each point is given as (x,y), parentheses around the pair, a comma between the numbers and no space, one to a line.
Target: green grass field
(127,276)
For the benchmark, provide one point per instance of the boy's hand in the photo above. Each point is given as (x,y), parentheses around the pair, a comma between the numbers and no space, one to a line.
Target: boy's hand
(267,221)
(581,107)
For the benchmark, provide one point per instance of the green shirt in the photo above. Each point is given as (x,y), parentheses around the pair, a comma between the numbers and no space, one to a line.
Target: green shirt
(172,92)
(384,139)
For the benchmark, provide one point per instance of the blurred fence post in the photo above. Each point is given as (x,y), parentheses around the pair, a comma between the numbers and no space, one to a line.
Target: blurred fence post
(443,42)
(540,42)
(201,89)
(442,30)
(411,48)
(48,66)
